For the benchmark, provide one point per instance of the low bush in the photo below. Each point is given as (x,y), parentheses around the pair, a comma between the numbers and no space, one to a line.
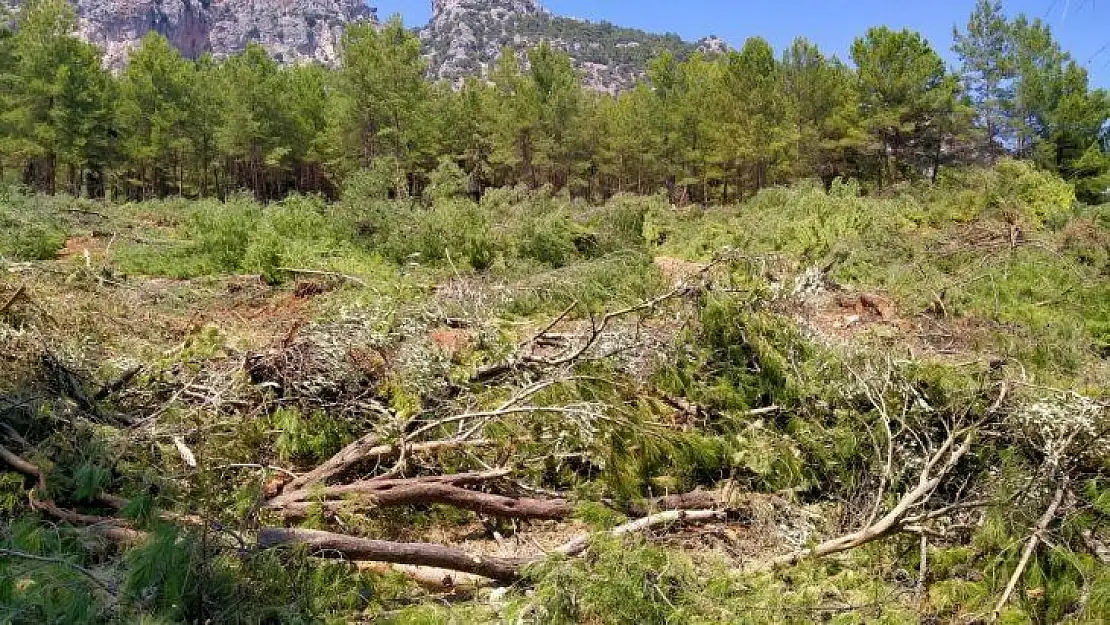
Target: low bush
(27,229)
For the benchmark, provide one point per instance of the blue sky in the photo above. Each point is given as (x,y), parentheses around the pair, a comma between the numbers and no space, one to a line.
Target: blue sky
(1082,26)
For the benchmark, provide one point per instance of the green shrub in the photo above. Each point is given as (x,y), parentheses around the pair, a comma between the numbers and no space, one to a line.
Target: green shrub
(27,231)
(446,181)
(383,180)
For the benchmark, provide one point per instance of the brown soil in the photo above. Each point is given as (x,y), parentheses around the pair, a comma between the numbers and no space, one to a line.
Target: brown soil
(77,246)
(676,269)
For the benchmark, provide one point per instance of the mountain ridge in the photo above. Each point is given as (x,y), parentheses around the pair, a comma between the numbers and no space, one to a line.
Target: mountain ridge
(463,38)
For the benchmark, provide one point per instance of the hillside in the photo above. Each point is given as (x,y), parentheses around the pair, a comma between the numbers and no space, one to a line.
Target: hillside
(814,404)
(294,31)
(465,37)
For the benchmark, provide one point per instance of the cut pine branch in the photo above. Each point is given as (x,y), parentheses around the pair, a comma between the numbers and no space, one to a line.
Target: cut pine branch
(508,570)
(1030,548)
(329,545)
(941,464)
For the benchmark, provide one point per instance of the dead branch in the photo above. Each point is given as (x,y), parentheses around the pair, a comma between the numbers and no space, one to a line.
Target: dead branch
(330,545)
(435,579)
(327,544)
(15,436)
(443,490)
(26,468)
(340,462)
(522,358)
(698,499)
(1030,547)
(115,386)
(68,383)
(12,553)
(116,529)
(938,466)
(11,300)
(442,494)
(670,517)
(325,274)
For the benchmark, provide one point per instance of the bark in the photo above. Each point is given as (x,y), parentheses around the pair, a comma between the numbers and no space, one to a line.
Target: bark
(330,545)
(700,499)
(327,544)
(392,493)
(348,456)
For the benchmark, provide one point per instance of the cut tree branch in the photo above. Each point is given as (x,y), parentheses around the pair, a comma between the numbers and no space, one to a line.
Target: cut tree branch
(509,570)
(1030,547)
(327,544)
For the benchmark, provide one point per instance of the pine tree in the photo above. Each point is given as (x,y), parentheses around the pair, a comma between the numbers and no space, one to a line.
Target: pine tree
(9,81)
(555,93)
(82,118)
(755,120)
(154,108)
(985,49)
(42,47)
(905,91)
(825,100)
(384,98)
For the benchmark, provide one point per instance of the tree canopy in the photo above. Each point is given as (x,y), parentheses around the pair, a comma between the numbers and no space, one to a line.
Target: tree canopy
(705,128)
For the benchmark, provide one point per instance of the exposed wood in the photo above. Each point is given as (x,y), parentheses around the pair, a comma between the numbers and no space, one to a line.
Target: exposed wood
(340,462)
(699,499)
(341,546)
(329,545)
(385,485)
(939,465)
(326,274)
(446,490)
(442,494)
(436,579)
(670,517)
(16,462)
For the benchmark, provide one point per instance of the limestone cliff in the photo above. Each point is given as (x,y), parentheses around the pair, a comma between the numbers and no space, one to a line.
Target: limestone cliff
(292,31)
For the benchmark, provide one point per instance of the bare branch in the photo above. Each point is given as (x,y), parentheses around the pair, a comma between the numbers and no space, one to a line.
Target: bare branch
(1030,547)
(327,544)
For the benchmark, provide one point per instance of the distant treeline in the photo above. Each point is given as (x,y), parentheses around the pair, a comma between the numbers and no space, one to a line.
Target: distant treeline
(708,129)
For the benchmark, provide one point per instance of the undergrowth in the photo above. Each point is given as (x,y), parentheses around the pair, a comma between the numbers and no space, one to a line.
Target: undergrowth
(410,296)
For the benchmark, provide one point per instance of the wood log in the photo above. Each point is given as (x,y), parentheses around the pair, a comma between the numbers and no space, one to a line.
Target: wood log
(696,500)
(393,493)
(348,456)
(456,479)
(341,546)
(327,544)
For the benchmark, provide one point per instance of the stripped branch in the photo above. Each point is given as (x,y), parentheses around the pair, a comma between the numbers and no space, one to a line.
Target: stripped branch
(1030,547)
(509,570)
(523,358)
(329,545)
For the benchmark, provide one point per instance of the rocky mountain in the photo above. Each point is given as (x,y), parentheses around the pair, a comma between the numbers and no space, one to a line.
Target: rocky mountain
(293,31)
(465,37)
